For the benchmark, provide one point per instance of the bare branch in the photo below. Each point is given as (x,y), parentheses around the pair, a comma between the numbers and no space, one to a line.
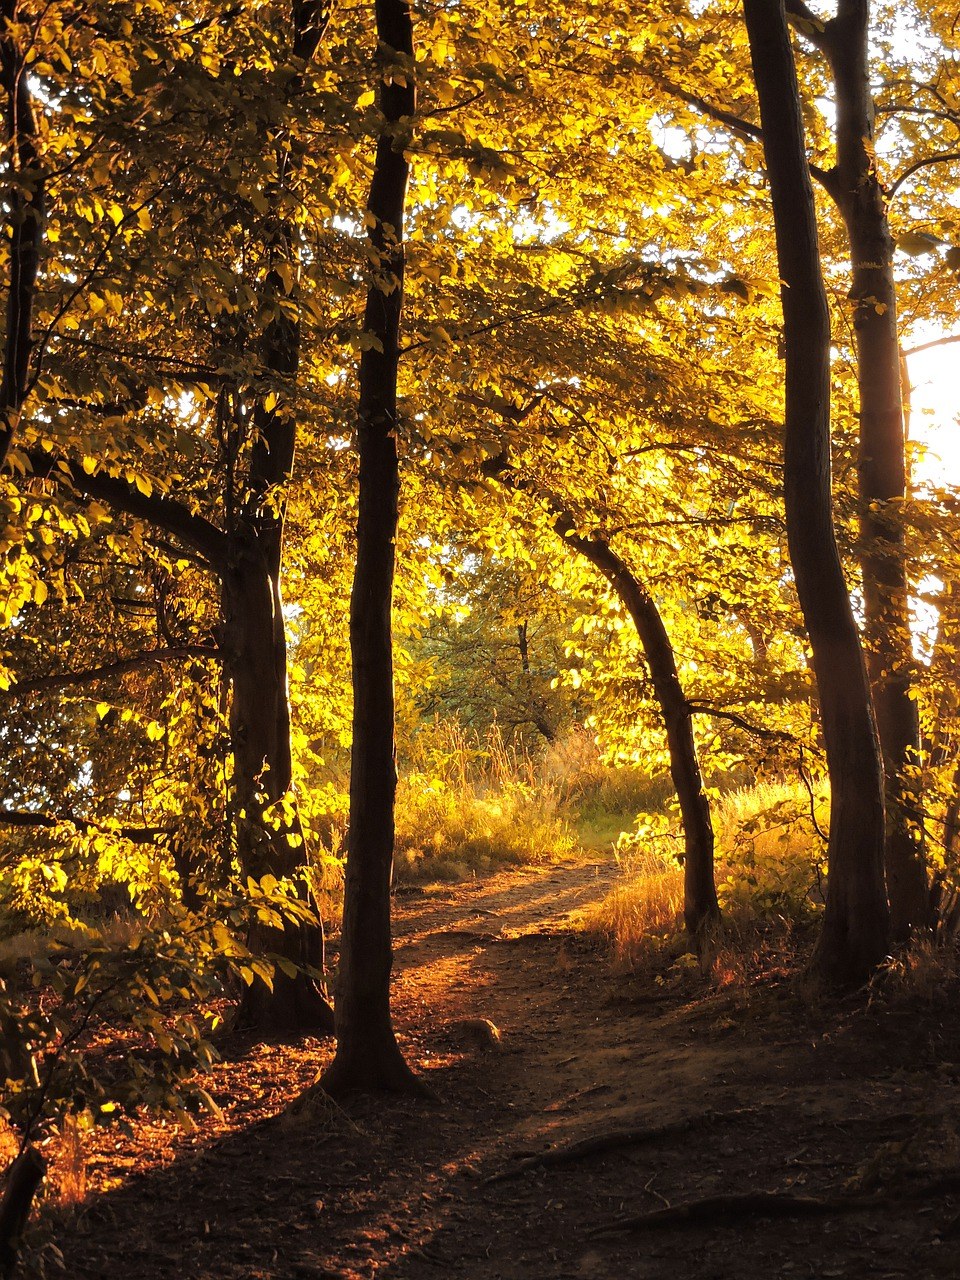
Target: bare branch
(942,157)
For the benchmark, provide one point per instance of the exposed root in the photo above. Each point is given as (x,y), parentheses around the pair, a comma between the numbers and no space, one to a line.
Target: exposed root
(615,1140)
(383,1071)
(731,1209)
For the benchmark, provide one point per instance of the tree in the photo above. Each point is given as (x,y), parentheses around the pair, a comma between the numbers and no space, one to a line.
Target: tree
(855,931)
(243,384)
(854,184)
(368,1056)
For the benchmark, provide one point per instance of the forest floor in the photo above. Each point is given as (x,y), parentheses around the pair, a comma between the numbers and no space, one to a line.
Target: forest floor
(703,1093)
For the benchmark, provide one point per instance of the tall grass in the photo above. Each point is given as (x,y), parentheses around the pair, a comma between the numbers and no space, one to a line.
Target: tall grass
(602,800)
(468,804)
(769,877)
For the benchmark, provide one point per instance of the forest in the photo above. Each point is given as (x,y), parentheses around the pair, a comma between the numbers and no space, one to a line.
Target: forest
(479,657)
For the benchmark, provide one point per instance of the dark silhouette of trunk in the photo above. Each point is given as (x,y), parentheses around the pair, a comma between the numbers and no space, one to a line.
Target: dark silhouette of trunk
(855,932)
(700,906)
(538,716)
(268,841)
(23,1178)
(368,1056)
(855,186)
(25,205)
(255,646)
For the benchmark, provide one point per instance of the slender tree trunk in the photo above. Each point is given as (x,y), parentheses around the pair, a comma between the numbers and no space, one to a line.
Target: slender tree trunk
(855,933)
(368,1056)
(25,211)
(882,466)
(700,906)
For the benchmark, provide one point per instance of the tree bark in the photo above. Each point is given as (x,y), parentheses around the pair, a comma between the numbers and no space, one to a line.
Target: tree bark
(368,1056)
(25,204)
(255,651)
(256,644)
(700,906)
(854,185)
(855,932)
(22,1180)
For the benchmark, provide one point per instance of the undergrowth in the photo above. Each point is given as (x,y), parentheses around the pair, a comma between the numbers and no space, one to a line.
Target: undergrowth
(769,857)
(468,804)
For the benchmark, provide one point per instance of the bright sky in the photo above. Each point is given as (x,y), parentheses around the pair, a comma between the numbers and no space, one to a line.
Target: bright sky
(935,408)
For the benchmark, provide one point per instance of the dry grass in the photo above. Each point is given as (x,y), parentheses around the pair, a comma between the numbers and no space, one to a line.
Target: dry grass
(70,1170)
(768,879)
(470,804)
(643,913)
(927,971)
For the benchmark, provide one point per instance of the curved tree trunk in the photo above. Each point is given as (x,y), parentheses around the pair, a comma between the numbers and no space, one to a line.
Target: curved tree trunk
(368,1056)
(700,906)
(855,933)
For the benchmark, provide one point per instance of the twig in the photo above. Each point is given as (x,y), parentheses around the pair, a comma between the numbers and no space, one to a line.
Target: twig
(752,1204)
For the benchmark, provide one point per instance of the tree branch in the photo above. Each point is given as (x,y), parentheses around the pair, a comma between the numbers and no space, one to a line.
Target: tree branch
(90,675)
(940,158)
(928,346)
(770,735)
(30,818)
(158,509)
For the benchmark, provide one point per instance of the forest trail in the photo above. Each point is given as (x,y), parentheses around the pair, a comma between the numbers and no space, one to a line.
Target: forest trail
(700,1092)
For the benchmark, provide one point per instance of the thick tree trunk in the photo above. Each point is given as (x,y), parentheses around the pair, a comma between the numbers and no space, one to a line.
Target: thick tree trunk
(255,636)
(855,933)
(368,1056)
(254,645)
(855,185)
(23,1178)
(700,906)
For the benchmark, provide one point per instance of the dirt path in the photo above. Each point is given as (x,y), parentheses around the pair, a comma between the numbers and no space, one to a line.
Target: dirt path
(764,1094)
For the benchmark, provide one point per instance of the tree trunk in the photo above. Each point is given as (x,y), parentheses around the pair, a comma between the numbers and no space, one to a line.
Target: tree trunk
(255,633)
(700,906)
(23,1178)
(24,203)
(855,932)
(269,842)
(855,185)
(368,1056)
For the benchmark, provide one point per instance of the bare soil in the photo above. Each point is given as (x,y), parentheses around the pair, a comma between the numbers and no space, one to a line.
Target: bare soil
(725,1092)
